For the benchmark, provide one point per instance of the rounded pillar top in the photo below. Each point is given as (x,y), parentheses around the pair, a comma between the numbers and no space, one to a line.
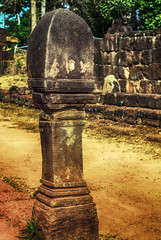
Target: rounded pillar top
(60,61)
(60,47)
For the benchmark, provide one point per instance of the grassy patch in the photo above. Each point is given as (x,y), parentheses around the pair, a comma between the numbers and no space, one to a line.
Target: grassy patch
(20,80)
(31,231)
(22,117)
(18,184)
(110,237)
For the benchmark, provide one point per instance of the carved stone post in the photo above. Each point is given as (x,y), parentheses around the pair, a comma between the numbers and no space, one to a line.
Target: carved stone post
(60,69)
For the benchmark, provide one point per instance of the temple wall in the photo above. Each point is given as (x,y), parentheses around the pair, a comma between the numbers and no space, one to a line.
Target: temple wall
(134,58)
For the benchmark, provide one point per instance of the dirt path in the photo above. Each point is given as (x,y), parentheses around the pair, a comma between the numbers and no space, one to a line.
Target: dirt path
(124,178)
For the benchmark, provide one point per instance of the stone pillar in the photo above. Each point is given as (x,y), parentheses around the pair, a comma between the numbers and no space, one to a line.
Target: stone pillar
(60,69)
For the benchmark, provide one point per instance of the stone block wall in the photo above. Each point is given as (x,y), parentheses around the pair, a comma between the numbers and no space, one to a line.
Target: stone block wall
(20,96)
(3,34)
(134,58)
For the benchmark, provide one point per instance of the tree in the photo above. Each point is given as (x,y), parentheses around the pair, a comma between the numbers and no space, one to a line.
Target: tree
(33,15)
(4,20)
(150,14)
(43,7)
(13,7)
(22,30)
(99,14)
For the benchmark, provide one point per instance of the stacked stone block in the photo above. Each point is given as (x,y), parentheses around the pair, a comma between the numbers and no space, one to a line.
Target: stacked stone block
(3,33)
(133,57)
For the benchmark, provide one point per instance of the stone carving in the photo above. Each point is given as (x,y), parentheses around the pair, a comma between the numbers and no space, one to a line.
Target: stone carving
(110,85)
(118,26)
(60,70)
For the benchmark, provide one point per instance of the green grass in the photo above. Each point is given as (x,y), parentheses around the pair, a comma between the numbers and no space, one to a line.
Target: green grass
(111,237)
(18,184)
(31,231)
(22,117)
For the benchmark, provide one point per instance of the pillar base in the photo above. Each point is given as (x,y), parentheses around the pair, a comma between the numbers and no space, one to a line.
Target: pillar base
(66,214)
(64,208)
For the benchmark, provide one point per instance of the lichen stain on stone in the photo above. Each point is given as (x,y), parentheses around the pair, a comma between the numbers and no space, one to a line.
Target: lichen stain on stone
(126,73)
(57,179)
(70,65)
(54,70)
(70,136)
(86,67)
(68,173)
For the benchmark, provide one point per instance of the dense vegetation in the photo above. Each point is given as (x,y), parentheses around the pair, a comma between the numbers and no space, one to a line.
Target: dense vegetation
(99,14)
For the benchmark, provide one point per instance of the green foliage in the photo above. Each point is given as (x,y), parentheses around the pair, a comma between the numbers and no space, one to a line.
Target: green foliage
(150,12)
(112,9)
(21,31)
(18,63)
(99,14)
(31,231)
(16,182)
(13,7)
(2,64)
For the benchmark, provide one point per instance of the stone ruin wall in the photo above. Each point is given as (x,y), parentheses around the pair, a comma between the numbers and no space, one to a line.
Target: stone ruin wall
(3,33)
(134,58)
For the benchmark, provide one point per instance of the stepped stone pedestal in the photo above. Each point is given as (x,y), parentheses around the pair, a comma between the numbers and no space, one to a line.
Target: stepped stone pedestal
(60,69)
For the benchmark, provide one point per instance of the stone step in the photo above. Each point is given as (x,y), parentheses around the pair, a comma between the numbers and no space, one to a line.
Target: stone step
(143,100)
(131,115)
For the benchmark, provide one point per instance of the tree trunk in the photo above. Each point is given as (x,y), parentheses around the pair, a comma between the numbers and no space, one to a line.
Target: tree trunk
(33,14)
(4,20)
(43,7)
(18,19)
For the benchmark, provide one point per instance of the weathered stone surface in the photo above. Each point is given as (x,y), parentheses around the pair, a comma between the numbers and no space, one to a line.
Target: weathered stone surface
(121,58)
(98,44)
(156,53)
(116,42)
(110,99)
(106,58)
(136,72)
(60,69)
(115,71)
(80,221)
(61,85)
(123,72)
(123,84)
(63,189)
(139,43)
(68,57)
(149,42)
(125,43)
(158,41)
(107,70)
(3,33)
(111,85)
(157,87)
(132,115)
(61,140)
(147,57)
(153,71)
(98,70)
(152,101)
(52,101)
(138,51)
(146,86)
(109,43)
(98,57)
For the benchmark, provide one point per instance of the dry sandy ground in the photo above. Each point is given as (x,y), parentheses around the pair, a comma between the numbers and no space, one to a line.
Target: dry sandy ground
(124,178)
